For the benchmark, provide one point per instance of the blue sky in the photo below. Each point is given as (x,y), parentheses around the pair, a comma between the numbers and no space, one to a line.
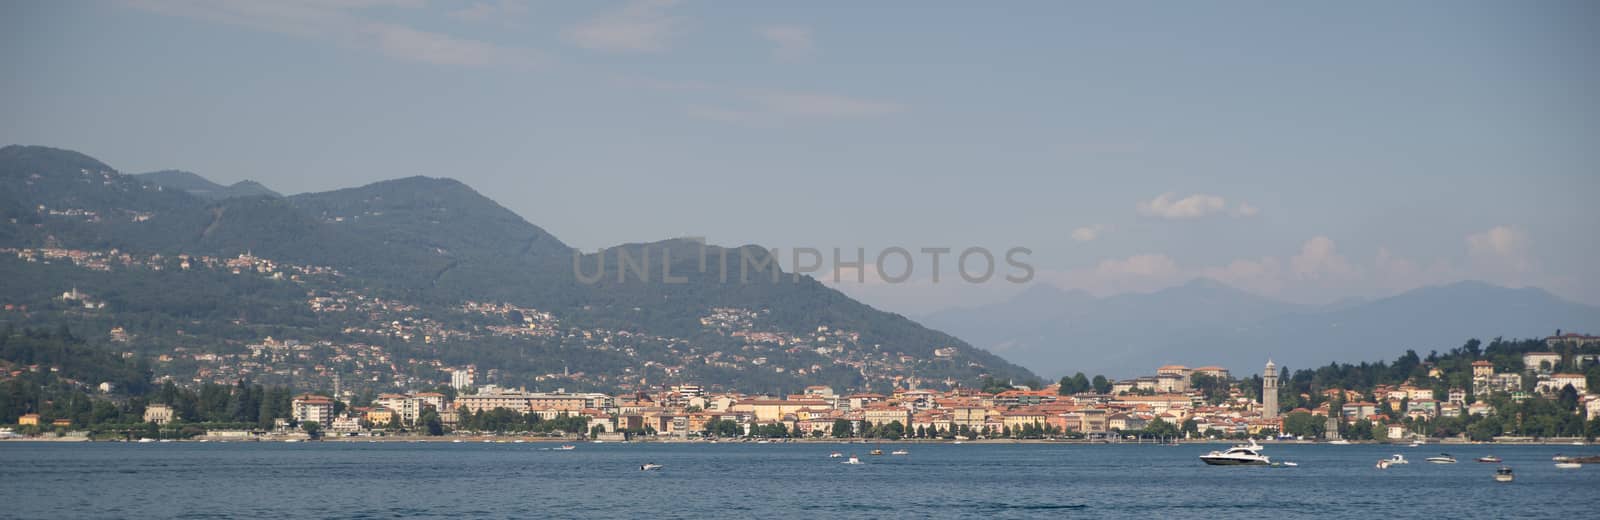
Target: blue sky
(1303,151)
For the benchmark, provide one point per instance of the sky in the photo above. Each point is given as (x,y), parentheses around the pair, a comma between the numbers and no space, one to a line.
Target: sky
(1309,152)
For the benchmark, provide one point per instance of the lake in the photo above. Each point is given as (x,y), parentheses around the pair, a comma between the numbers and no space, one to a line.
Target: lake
(473,480)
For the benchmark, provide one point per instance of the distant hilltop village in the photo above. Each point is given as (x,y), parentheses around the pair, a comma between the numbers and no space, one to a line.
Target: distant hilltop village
(1175,402)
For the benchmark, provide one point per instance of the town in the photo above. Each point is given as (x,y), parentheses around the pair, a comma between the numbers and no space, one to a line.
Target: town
(1175,403)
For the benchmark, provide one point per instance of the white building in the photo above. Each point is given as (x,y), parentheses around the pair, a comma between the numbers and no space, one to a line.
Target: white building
(158,413)
(313,408)
(463,378)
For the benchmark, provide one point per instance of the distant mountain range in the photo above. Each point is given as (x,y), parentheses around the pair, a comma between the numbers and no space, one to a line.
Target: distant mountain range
(432,243)
(1204,322)
(204,188)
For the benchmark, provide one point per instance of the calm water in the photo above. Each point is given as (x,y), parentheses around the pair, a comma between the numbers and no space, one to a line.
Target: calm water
(472,480)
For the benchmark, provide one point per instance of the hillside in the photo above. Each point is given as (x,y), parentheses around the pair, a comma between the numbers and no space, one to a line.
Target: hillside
(388,285)
(201,187)
(1206,322)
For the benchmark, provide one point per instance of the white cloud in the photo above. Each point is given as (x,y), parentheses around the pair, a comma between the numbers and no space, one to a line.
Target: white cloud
(773,106)
(1088,233)
(638,26)
(1168,205)
(1137,273)
(1319,260)
(1261,276)
(343,22)
(1500,254)
(794,42)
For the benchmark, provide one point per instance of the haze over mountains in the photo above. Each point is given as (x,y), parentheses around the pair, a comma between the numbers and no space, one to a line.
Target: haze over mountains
(429,245)
(1204,322)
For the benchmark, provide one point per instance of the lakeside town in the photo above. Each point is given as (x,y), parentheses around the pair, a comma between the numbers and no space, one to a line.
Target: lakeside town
(1175,403)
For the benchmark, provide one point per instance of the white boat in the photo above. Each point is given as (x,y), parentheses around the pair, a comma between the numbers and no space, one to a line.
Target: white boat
(1569,465)
(900,452)
(1340,442)
(1561,458)
(1241,455)
(457,441)
(650,466)
(1397,459)
(567,447)
(145,440)
(835,455)
(852,460)
(1442,458)
(1503,474)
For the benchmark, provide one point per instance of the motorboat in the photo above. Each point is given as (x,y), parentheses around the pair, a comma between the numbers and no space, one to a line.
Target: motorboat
(852,460)
(1340,442)
(1397,459)
(1503,474)
(835,455)
(1569,465)
(1240,455)
(1489,459)
(875,452)
(650,466)
(1561,458)
(1442,458)
(900,452)
(567,447)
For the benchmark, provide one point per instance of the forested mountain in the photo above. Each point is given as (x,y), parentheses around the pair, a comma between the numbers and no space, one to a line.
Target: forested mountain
(430,274)
(204,188)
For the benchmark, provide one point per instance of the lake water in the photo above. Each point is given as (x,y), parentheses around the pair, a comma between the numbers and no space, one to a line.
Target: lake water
(473,480)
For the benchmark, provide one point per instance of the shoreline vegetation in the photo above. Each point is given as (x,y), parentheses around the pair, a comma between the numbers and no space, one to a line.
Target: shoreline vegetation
(509,439)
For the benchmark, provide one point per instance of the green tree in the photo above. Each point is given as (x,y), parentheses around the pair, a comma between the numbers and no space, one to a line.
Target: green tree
(1101,384)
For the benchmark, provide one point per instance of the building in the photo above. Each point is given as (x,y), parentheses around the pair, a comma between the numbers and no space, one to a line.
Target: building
(1269,391)
(312,408)
(1571,339)
(1482,369)
(28,419)
(1541,361)
(1556,382)
(158,413)
(1213,371)
(463,378)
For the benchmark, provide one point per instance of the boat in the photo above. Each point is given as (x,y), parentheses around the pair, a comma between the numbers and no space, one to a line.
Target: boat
(1285,464)
(875,452)
(1489,459)
(1442,458)
(457,441)
(1561,458)
(852,460)
(1503,474)
(1397,459)
(1340,442)
(146,440)
(835,455)
(1240,455)
(567,447)
(650,466)
(901,451)
(1569,465)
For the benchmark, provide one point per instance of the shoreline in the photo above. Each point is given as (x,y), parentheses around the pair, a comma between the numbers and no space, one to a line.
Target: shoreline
(514,439)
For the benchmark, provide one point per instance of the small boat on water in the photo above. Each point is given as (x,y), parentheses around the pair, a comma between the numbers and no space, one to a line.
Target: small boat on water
(875,452)
(1241,455)
(1397,459)
(1442,458)
(650,466)
(901,451)
(1561,458)
(1503,474)
(835,455)
(1569,465)
(852,460)
(567,447)
(1340,442)
(1489,459)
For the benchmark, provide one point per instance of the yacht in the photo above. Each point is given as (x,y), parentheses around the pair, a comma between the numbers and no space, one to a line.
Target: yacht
(1391,461)
(1241,455)
(1503,474)
(852,460)
(1442,458)
(650,466)
(1569,465)
(1491,459)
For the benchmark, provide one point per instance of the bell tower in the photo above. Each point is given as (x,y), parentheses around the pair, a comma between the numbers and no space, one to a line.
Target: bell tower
(1269,391)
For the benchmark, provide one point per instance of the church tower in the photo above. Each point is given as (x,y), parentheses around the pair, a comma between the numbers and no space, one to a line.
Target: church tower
(1269,391)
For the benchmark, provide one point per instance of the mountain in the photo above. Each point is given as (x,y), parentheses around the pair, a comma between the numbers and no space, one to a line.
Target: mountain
(431,274)
(1206,322)
(204,188)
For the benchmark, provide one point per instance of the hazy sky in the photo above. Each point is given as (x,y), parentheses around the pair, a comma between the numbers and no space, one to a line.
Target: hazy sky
(1305,151)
